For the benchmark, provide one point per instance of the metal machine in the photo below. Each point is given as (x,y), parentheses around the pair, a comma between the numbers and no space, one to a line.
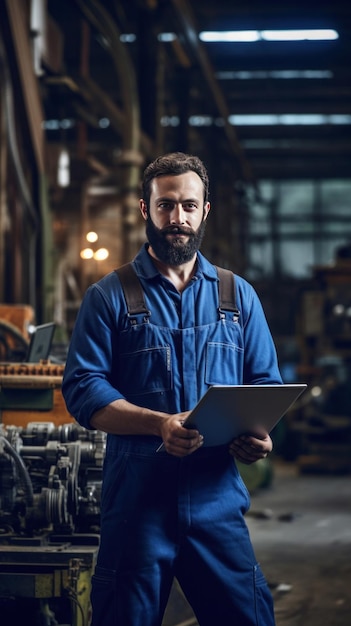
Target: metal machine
(50,488)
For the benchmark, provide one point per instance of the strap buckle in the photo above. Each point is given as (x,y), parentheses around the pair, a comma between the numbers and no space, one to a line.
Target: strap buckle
(235,312)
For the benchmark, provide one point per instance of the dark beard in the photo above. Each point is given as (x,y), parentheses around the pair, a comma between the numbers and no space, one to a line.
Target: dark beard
(174,252)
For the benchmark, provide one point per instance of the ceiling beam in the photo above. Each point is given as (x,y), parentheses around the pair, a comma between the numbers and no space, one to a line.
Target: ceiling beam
(29,83)
(186,18)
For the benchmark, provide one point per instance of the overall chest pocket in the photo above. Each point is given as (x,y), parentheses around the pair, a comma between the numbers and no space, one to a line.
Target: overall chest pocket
(147,370)
(224,364)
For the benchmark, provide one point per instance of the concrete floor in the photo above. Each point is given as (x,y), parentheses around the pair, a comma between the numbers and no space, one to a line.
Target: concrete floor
(301,530)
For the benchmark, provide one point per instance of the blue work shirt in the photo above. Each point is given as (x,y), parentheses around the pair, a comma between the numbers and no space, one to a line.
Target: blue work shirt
(165,362)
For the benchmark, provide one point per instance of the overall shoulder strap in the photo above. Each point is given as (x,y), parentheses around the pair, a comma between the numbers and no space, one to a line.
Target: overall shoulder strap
(132,289)
(134,294)
(227,299)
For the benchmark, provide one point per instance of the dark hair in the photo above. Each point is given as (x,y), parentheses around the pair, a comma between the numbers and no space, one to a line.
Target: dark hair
(174,164)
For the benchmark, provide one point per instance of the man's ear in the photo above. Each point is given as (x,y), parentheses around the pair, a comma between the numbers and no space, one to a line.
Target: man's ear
(143,208)
(207,208)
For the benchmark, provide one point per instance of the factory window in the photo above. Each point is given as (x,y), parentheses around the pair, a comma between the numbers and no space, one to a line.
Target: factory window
(335,196)
(297,258)
(297,225)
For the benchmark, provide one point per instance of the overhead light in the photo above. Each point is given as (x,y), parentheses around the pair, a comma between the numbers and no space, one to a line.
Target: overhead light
(127,37)
(166,37)
(86,253)
(318,34)
(200,120)
(63,169)
(58,124)
(249,36)
(276,74)
(170,120)
(229,36)
(268,119)
(104,122)
(253,120)
(91,236)
(290,119)
(101,254)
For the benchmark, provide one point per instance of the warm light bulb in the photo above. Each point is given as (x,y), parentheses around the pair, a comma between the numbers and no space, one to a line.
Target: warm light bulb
(101,254)
(91,236)
(87,253)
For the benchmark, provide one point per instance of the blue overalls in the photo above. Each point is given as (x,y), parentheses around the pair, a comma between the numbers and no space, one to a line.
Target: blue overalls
(166,517)
(162,516)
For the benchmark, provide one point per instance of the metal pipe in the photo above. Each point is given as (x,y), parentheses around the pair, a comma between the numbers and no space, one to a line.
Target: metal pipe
(22,469)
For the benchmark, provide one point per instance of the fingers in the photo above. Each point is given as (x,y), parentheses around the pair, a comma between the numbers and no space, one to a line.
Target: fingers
(247,449)
(177,439)
(182,442)
(180,446)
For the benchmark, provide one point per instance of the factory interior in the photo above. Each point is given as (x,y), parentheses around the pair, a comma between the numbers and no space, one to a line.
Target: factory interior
(91,91)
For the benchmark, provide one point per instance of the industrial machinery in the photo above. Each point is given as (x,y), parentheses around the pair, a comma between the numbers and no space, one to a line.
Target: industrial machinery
(50,489)
(50,482)
(320,426)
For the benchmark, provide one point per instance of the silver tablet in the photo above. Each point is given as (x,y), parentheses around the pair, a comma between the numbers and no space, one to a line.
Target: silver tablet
(225,412)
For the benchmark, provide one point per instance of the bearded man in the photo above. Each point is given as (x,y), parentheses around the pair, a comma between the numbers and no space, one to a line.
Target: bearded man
(136,375)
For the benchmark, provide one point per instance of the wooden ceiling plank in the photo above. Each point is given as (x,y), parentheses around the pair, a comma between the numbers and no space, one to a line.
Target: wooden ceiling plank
(29,83)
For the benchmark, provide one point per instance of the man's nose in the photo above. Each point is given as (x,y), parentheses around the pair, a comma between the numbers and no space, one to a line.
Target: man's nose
(177,214)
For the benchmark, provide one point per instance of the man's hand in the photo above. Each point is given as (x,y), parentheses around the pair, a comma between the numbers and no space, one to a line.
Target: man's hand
(248,448)
(178,440)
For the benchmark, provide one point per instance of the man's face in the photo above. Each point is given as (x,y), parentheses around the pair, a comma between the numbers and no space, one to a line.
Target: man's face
(175,221)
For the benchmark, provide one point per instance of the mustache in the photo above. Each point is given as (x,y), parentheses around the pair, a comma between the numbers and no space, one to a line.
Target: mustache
(177,230)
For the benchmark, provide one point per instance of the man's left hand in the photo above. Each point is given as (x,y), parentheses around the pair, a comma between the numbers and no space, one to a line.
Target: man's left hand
(248,448)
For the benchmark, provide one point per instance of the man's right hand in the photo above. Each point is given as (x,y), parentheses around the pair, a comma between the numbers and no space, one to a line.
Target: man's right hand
(178,440)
